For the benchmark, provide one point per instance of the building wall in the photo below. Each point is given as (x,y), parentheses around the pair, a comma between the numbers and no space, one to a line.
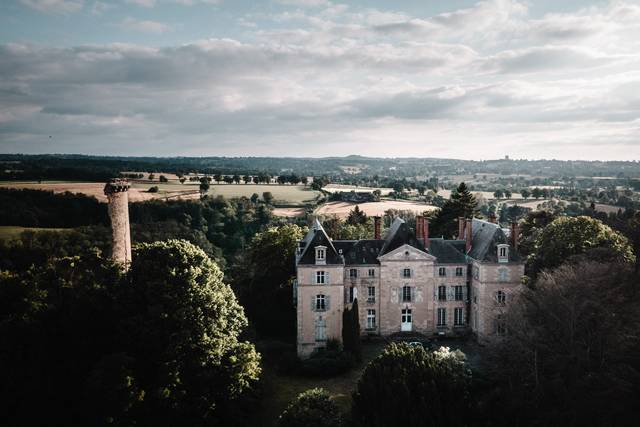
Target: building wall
(485,283)
(307,316)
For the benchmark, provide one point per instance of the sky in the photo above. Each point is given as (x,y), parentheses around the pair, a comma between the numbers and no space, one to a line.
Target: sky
(403,78)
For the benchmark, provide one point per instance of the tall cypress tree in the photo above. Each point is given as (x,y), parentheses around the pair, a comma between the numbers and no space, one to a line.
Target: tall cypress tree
(355,331)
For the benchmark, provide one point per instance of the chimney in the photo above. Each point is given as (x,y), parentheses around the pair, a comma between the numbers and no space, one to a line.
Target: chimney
(469,234)
(515,230)
(493,218)
(420,228)
(425,226)
(117,194)
(460,228)
(377,227)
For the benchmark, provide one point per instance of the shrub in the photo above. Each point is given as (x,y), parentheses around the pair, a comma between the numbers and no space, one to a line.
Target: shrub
(153,189)
(312,408)
(326,363)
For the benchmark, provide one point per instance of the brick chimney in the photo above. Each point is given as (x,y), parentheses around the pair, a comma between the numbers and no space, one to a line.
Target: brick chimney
(493,218)
(420,228)
(425,226)
(377,227)
(515,230)
(468,234)
(460,228)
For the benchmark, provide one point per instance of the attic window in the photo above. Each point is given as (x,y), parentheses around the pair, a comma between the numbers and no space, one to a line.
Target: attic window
(503,253)
(340,251)
(321,252)
(406,253)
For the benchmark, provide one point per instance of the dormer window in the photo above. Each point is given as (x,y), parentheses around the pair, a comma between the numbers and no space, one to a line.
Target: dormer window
(321,253)
(406,273)
(503,253)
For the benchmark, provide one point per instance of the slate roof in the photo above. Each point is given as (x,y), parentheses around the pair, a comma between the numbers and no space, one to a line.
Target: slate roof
(486,237)
(446,252)
(317,237)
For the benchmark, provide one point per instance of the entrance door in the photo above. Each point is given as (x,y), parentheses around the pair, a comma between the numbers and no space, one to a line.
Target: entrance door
(407,318)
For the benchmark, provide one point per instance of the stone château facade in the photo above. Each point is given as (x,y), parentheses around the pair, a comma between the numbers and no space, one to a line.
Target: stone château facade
(407,282)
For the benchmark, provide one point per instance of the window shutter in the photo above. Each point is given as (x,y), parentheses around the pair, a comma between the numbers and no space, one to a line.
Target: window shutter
(313,303)
(464,293)
(400,294)
(450,293)
(326,278)
(413,293)
(435,293)
(327,302)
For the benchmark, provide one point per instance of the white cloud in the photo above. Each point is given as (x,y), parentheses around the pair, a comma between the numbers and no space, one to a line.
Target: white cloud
(55,6)
(143,3)
(304,3)
(144,26)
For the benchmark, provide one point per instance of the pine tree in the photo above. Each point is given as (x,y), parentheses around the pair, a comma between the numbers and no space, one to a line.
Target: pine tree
(461,204)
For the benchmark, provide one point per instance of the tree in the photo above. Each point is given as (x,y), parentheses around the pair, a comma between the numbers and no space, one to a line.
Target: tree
(267,197)
(227,179)
(507,194)
(304,180)
(254,198)
(153,189)
(151,177)
(217,178)
(246,179)
(263,279)
(570,355)
(536,193)
(184,325)
(461,204)
(498,194)
(567,236)
(408,386)
(236,178)
(163,178)
(356,216)
(204,186)
(182,179)
(525,193)
(351,331)
(312,408)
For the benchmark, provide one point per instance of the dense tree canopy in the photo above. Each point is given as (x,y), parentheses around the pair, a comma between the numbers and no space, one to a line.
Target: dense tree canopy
(570,356)
(408,386)
(85,344)
(566,237)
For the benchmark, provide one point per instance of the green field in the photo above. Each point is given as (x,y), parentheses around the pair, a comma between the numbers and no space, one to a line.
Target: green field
(9,232)
(283,194)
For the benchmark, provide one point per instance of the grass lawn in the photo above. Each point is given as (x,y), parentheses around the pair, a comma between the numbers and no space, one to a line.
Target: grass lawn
(9,232)
(280,389)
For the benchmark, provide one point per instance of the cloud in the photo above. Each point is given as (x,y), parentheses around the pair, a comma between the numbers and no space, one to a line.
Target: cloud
(304,3)
(143,3)
(152,27)
(55,6)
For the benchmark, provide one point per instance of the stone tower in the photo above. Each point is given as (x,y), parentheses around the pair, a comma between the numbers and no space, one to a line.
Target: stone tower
(117,194)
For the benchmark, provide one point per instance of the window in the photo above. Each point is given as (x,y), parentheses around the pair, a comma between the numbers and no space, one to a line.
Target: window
(320,277)
(501,297)
(459,293)
(442,293)
(320,303)
(476,272)
(353,293)
(503,253)
(503,275)
(321,329)
(372,272)
(353,273)
(406,273)
(458,316)
(407,317)
(371,319)
(500,328)
(442,317)
(371,294)
(442,272)
(458,271)
(406,294)
(321,252)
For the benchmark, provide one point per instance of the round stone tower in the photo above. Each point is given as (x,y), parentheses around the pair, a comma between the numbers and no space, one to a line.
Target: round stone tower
(117,194)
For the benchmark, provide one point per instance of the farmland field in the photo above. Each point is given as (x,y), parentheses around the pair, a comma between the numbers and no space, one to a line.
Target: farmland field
(334,188)
(342,209)
(172,190)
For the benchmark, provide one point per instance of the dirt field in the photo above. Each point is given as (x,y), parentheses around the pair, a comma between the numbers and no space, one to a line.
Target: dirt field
(288,212)
(342,209)
(334,188)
